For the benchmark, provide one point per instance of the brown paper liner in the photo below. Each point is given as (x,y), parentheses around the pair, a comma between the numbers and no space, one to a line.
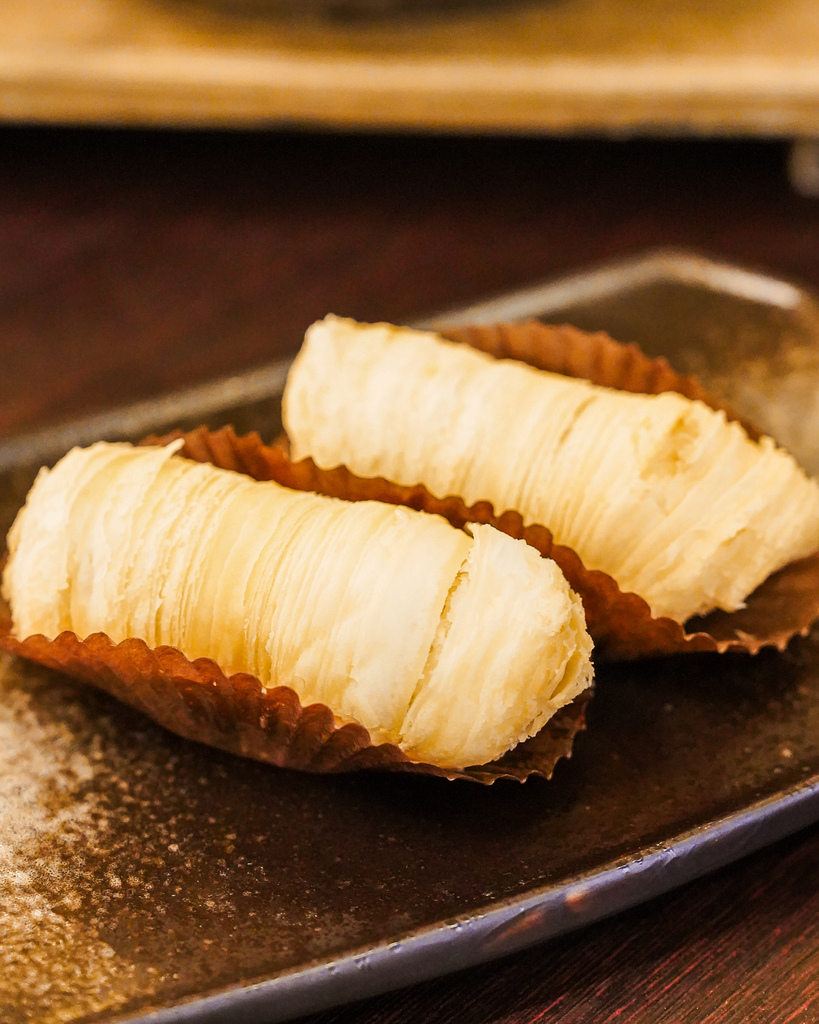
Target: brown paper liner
(783,606)
(594,357)
(621,624)
(195,699)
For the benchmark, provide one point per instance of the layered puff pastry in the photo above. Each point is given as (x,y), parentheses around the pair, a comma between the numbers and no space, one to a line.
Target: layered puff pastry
(662,493)
(453,646)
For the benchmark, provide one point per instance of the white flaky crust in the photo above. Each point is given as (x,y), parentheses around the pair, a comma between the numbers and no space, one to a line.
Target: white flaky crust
(658,491)
(452,647)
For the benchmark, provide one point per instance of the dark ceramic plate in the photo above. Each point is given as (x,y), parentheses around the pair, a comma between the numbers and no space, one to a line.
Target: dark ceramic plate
(146,878)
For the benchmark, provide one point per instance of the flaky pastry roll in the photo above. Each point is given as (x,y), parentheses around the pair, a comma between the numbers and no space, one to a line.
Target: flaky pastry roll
(662,493)
(454,647)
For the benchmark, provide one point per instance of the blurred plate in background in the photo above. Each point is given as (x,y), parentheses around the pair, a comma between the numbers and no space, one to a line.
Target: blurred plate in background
(722,68)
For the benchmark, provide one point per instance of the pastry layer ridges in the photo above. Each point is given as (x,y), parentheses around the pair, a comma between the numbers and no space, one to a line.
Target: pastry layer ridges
(662,493)
(451,647)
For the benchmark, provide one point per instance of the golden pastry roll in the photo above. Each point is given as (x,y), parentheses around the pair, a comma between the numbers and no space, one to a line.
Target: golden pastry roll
(453,646)
(662,493)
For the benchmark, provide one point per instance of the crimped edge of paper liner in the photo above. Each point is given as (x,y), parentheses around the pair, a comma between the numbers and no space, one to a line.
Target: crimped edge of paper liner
(621,623)
(596,357)
(196,700)
(785,605)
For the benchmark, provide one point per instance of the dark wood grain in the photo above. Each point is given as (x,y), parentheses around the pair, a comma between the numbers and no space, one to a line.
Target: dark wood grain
(739,946)
(132,263)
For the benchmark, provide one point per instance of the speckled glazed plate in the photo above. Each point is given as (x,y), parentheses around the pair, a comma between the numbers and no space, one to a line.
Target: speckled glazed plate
(145,878)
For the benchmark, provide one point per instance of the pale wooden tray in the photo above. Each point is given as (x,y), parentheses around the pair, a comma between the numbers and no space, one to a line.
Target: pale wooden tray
(723,67)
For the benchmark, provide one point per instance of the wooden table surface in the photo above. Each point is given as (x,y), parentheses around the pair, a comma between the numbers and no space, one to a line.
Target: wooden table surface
(131,264)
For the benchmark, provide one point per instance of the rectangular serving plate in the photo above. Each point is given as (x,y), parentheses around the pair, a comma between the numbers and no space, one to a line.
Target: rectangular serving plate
(178,883)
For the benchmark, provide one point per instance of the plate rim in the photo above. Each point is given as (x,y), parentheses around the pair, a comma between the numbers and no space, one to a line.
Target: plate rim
(507,926)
